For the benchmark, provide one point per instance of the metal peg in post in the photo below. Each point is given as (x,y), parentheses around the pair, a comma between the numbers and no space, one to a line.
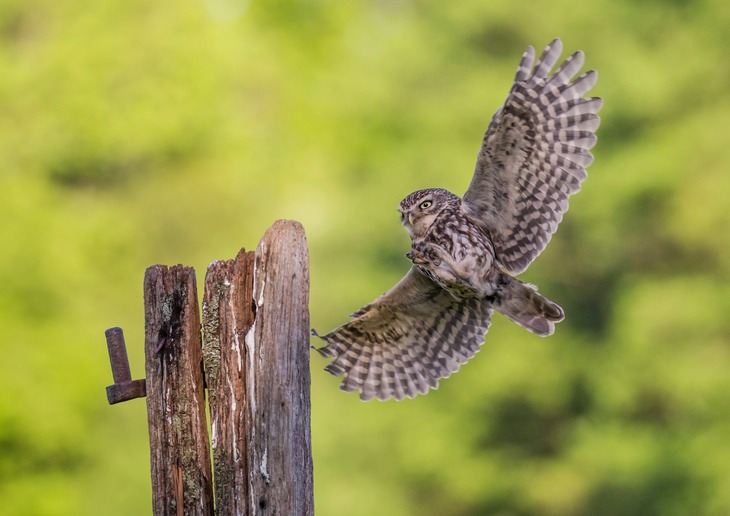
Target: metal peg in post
(124,387)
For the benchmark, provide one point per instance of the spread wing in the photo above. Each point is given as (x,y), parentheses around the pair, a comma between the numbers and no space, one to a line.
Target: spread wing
(534,156)
(402,343)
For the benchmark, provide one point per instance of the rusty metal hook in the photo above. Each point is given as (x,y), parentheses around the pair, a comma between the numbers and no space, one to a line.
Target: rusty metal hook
(124,388)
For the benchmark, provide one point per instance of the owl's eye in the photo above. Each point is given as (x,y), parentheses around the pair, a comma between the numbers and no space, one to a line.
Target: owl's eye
(425,204)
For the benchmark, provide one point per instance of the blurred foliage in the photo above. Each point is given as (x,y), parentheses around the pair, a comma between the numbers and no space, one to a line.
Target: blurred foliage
(136,133)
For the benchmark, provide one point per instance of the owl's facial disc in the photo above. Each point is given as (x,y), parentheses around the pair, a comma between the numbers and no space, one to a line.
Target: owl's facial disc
(420,209)
(417,219)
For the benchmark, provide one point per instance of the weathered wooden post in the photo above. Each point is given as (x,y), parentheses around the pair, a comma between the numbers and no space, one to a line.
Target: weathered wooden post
(254,357)
(256,349)
(228,315)
(179,447)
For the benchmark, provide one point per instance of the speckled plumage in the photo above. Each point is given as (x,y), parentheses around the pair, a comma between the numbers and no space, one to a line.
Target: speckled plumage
(465,251)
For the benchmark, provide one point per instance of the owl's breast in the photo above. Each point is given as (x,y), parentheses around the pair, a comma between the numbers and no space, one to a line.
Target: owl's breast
(462,238)
(457,255)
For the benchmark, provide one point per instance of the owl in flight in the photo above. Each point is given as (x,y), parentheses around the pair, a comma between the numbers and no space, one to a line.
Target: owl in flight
(466,251)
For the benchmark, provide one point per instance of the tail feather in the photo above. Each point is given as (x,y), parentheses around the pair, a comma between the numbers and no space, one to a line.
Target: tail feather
(521,303)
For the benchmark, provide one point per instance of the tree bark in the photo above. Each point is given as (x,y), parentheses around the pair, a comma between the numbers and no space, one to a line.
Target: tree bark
(179,447)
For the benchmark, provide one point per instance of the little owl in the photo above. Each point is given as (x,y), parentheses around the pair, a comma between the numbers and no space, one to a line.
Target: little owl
(466,251)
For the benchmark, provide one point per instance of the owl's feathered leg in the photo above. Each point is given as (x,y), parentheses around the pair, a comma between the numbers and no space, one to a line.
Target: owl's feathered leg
(521,303)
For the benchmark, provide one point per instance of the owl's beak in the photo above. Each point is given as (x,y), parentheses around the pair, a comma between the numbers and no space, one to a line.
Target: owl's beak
(410,219)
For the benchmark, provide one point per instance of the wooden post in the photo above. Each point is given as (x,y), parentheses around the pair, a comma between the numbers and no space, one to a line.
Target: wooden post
(280,473)
(227,317)
(256,325)
(179,447)
(256,358)
(280,454)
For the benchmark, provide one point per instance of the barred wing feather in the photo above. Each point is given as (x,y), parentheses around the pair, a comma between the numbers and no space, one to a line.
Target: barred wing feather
(534,156)
(402,343)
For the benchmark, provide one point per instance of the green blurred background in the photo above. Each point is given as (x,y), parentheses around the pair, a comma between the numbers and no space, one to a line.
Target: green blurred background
(136,132)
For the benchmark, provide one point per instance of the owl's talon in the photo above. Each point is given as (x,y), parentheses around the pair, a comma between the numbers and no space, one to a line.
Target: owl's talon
(434,253)
(417,257)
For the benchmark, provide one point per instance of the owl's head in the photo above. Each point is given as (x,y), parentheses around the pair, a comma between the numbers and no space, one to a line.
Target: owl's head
(420,209)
